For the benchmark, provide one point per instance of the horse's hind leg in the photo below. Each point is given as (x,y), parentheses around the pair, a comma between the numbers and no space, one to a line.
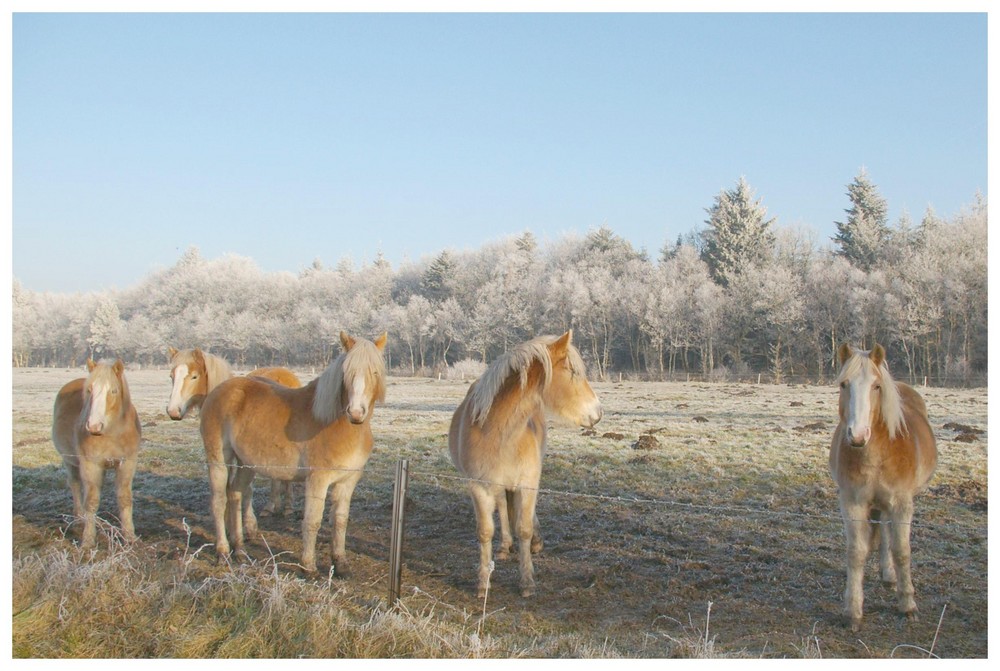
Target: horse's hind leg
(902,517)
(880,538)
(524,502)
(484,502)
(536,534)
(238,491)
(75,486)
(123,489)
(505,511)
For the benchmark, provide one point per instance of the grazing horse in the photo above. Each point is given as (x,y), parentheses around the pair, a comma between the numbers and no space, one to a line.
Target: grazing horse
(319,433)
(497,439)
(96,427)
(193,375)
(883,453)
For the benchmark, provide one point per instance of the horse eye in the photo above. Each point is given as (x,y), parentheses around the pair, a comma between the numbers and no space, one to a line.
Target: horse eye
(843,385)
(878,387)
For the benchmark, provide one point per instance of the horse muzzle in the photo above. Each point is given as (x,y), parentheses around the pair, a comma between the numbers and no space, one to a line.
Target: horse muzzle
(859,439)
(95,428)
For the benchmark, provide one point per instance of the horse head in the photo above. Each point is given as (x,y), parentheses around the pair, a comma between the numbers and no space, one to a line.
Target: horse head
(363,376)
(103,394)
(189,379)
(865,389)
(568,394)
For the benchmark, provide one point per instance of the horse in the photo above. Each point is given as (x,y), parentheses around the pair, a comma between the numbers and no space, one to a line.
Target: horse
(193,374)
(320,434)
(497,439)
(883,453)
(96,427)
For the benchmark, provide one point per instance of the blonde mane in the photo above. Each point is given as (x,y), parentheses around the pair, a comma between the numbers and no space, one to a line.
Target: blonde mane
(517,361)
(217,369)
(363,359)
(105,369)
(891,410)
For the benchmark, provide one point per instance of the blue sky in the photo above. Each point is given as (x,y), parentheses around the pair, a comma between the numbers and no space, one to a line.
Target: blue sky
(288,138)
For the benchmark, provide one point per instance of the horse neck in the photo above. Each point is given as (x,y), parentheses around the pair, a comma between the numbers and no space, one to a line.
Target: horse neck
(515,405)
(217,371)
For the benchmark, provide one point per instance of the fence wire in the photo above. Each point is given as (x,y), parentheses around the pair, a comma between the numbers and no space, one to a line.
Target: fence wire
(435,478)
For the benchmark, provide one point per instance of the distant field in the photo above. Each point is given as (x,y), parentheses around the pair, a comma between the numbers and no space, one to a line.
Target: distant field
(726,505)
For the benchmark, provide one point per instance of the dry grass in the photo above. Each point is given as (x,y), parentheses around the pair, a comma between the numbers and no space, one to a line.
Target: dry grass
(737,511)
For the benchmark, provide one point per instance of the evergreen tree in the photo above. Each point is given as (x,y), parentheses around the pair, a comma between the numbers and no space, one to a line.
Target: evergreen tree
(738,235)
(861,239)
(436,283)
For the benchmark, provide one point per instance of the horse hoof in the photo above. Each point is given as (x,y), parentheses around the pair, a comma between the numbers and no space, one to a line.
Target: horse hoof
(503,554)
(528,591)
(911,616)
(536,546)
(855,624)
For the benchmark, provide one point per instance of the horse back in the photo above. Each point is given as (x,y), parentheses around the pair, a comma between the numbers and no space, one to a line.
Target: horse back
(282,376)
(919,437)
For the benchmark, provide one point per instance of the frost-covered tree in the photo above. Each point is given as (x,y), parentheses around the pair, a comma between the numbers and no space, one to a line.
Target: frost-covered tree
(862,238)
(738,235)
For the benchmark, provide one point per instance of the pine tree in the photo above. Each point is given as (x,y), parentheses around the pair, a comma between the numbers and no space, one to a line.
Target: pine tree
(863,236)
(739,233)
(436,283)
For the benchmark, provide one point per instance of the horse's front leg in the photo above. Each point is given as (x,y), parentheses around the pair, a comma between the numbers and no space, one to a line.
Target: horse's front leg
(901,517)
(857,535)
(123,489)
(91,478)
(524,502)
(316,486)
(340,510)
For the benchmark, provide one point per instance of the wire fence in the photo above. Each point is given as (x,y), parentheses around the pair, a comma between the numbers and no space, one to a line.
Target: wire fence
(435,478)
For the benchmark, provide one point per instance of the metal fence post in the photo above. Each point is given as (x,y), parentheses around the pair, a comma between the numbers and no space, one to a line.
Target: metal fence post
(396,543)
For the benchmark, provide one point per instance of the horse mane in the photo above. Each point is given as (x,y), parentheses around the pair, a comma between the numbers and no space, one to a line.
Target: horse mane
(328,403)
(517,361)
(891,410)
(217,369)
(126,399)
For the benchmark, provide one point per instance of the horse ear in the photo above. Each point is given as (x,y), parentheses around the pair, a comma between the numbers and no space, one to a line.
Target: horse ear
(561,345)
(380,341)
(171,352)
(878,355)
(118,368)
(844,353)
(90,365)
(346,340)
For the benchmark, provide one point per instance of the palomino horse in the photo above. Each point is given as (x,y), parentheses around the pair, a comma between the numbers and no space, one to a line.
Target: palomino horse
(320,433)
(883,453)
(95,427)
(193,375)
(497,438)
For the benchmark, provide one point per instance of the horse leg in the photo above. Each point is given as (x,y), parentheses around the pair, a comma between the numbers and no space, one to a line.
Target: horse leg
(858,534)
(75,487)
(902,517)
(505,511)
(524,502)
(484,502)
(536,534)
(123,489)
(312,517)
(275,504)
(340,510)
(880,539)
(249,519)
(237,492)
(92,477)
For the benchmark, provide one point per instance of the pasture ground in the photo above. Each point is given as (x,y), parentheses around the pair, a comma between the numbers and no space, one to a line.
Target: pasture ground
(698,520)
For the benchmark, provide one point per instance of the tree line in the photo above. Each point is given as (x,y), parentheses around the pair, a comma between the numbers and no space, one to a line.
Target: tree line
(738,298)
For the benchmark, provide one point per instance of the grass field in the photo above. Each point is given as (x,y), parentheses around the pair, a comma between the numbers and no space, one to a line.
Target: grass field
(699,520)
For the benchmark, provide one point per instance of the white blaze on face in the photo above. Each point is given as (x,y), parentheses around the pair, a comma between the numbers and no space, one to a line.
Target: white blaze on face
(357,403)
(97,417)
(176,407)
(858,411)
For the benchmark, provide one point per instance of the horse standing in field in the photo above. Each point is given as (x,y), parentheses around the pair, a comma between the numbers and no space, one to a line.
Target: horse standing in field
(193,374)
(883,453)
(319,433)
(497,439)
(96,427)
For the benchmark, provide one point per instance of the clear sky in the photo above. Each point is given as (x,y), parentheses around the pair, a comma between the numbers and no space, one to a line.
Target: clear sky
(291,137)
